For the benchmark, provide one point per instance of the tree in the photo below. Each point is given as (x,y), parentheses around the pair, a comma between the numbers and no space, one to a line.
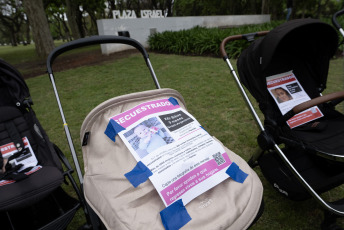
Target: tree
(95,10)
(75,18)
(11,19)
(56,12)
(44,43)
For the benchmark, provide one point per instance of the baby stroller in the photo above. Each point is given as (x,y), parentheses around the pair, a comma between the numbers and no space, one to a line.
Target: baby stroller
(32,175)
(122,198)
(300,159)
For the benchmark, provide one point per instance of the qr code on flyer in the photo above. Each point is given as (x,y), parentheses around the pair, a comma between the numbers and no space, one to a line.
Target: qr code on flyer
(219,158)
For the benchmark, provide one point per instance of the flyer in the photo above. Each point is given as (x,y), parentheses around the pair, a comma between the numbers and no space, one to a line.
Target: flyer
(288,93)
(184,159)
(27,159)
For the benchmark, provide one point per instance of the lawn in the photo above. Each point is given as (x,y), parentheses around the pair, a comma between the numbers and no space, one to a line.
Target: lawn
(211,96)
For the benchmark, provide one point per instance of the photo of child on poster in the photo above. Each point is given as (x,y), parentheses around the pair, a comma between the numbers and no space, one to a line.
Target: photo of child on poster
(288,93)
(148,136)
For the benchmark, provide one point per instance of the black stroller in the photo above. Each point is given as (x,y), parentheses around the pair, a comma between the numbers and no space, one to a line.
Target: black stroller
(300,158)
(31,172)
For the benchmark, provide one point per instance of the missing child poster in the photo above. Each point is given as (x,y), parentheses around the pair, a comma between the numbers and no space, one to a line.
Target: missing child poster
(288,93)
(184,159)
(26,160)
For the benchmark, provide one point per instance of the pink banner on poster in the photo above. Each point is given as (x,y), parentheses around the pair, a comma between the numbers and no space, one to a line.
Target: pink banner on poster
(131,116)
(191,179)
(304,117)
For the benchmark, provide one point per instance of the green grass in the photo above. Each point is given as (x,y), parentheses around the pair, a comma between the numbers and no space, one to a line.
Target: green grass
(25,59)
(211,96)
(20,54)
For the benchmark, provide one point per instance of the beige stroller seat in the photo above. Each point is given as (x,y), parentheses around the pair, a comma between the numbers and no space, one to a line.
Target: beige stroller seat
(235,203)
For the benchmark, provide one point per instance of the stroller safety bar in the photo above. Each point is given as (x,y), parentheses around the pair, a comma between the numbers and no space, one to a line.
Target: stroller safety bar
(82,43)
(336,23)
(315,101)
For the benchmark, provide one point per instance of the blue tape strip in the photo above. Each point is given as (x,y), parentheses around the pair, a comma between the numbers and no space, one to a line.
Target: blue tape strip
(175,216)
(139,174)
(203,128)
(112,129)
(236,173)
(173,101)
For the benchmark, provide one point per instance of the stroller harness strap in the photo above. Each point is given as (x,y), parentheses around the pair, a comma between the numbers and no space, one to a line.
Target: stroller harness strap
(12,141)
(11,171)
(14,135)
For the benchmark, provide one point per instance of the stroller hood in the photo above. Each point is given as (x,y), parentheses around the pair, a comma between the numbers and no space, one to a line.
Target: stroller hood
(13,87)
(303,45)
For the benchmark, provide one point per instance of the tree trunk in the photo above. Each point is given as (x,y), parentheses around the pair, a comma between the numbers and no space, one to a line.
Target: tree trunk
(44,43)
(72,18)
(27,32)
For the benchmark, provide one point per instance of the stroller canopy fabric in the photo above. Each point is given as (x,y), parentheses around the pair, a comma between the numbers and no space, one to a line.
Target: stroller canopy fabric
(12,85)
(298,45)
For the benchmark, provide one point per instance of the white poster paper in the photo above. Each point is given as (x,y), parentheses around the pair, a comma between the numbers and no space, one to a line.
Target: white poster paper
(288,93)
(184,159)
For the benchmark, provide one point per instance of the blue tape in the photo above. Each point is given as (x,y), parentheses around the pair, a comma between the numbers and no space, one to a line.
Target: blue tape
(236,173)
(203,128)
(175,216)
(173,101)
(139,174)
(112,129)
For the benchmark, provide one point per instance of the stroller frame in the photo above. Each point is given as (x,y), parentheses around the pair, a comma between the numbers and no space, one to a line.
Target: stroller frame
(265,141)
(336,23)
(96,220)
(81,43)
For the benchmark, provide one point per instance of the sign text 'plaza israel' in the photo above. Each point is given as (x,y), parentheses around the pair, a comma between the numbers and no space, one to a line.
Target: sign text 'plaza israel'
(126,14)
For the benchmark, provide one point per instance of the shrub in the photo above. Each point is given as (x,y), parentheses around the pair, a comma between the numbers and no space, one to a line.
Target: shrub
(206,41)
(203,41)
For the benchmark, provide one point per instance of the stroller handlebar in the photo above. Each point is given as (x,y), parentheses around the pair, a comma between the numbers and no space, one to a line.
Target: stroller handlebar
(248,37)
(93,40)
(334,18)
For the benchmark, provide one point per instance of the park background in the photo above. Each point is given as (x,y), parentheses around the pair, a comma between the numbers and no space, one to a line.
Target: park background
(189,63)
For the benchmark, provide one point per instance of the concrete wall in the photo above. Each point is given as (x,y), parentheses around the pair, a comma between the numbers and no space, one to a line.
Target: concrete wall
(141,28)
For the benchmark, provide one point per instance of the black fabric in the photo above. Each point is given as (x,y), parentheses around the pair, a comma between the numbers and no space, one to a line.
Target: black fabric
(303,45)
(28,189)
(34,201)
(27,125)
(306,47)
(53,212)
(320,174)
(14,135)
(13,88)
(324,135)
(18,120)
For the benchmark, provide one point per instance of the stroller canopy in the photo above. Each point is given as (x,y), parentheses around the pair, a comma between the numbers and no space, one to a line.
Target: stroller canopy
(303,45)
(13,89)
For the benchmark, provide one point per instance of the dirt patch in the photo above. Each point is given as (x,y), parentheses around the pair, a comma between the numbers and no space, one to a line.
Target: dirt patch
(70,61)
